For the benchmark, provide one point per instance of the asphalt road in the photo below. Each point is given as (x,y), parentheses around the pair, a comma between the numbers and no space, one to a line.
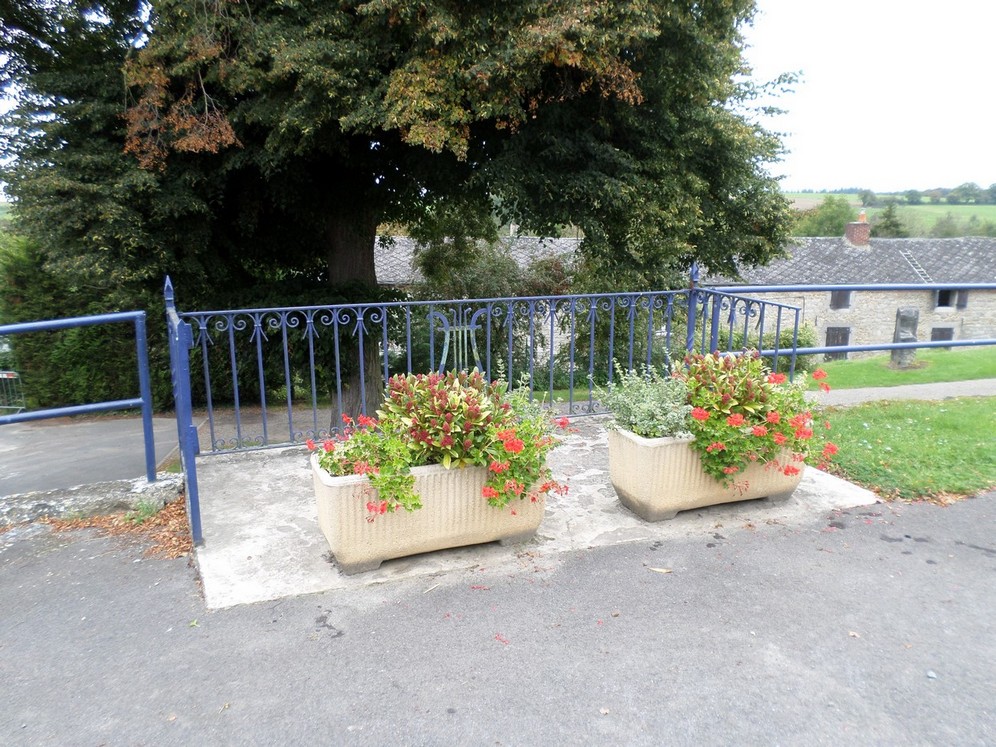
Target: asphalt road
(57,454)
(872,626)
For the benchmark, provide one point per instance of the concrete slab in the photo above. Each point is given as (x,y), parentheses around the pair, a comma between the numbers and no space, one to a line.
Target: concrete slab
(262,540)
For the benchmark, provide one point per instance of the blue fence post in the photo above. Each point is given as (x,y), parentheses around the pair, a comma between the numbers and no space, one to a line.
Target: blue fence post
(693,282)
(180,342)
(145,391)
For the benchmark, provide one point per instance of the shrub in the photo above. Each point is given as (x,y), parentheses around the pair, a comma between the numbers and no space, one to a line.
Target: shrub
(650,404)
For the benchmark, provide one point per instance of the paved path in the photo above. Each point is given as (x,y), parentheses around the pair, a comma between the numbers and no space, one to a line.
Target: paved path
(975,388)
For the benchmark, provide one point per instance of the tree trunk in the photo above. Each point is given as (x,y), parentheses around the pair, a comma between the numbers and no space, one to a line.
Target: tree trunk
(351,236)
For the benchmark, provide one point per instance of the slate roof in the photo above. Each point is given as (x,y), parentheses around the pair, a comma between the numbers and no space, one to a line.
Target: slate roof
(826,261)
(394,256)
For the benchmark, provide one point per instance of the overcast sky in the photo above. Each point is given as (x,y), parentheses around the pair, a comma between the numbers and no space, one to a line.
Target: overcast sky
(894,94)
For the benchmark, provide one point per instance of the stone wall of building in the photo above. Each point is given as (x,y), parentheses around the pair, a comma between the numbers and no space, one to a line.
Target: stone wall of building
(870,316)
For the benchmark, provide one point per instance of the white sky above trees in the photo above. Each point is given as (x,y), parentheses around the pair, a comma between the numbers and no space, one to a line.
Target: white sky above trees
(894,94)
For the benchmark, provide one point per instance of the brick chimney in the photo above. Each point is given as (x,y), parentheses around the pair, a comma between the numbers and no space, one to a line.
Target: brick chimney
(857,233)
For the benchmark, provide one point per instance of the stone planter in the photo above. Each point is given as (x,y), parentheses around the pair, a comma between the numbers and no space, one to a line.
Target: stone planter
(453,514)
(658,477)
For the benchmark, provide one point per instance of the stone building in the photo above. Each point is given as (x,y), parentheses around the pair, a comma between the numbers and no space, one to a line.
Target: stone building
(868,317)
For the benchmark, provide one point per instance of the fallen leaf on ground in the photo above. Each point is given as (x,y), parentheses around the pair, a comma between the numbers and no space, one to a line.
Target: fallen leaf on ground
(853,634)
(660,570)
(168,531)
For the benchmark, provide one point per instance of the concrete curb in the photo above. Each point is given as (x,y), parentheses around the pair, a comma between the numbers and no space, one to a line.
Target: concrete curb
(90,500)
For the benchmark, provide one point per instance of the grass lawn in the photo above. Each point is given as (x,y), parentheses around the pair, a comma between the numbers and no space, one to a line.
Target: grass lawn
(960,364)
(914,450)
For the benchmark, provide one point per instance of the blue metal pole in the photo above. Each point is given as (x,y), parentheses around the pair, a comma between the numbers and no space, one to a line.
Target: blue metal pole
(693,281)
(142,347)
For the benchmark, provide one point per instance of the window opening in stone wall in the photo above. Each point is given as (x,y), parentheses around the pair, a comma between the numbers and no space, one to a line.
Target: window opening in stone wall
(944,299)
(840,299)
(837,337)
(942,334)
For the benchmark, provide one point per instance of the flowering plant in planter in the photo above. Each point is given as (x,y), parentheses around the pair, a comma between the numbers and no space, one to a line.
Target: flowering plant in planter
(650,403)
(743,413)
(456,420)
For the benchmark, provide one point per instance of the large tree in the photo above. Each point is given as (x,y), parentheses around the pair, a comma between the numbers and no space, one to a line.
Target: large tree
(617,116)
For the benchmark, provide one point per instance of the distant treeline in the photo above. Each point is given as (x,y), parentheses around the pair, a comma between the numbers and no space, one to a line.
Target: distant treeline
(968,193)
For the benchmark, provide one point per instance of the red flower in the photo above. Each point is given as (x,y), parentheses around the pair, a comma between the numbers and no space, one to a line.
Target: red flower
(819,374)
(514,487)
(829,449)
(735,420)
(800,420)
(779,438)
(760,430)
(310,443)
(789,471)
(364,468)
(730,470)
(328,446)
(498,467)
(506,435)
(562,422)
(699,414)
(774,417)
(447,441)
(824,387)
(346,419)
(776,378)
(716,446)
(366,422)
(514,445)
(803,433)
(377,508)
(489,492)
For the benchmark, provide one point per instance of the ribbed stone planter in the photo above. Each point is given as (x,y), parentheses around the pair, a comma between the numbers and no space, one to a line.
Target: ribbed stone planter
(658,477)
(453,514)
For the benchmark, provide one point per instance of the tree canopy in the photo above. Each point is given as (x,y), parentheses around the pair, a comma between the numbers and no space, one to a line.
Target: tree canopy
(269,138)
(830,218)
(619,118)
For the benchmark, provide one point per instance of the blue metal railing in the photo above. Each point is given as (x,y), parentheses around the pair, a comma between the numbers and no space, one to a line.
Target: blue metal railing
(311,363)
(143,401)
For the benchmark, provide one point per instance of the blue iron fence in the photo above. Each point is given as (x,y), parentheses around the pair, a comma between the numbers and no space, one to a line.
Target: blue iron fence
(276,376)
(143,401)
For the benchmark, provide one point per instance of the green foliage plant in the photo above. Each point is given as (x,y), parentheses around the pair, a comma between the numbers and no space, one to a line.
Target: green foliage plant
(650,403)
(743,413)
(144,511)
(456,420)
